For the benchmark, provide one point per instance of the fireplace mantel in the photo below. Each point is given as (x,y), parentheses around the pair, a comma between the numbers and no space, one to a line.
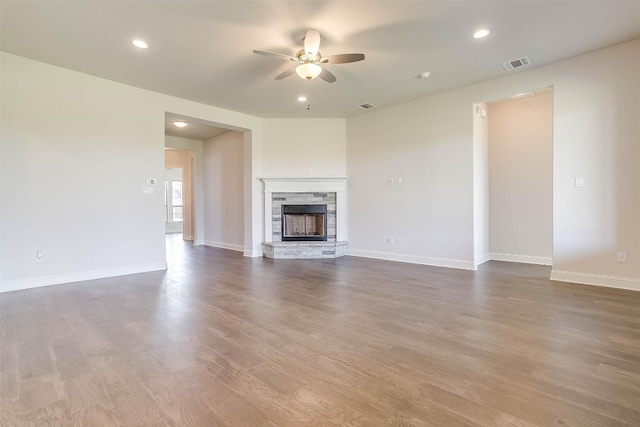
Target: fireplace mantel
(336,185)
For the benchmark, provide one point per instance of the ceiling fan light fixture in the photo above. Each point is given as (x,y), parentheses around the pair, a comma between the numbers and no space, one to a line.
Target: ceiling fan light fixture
(308,71)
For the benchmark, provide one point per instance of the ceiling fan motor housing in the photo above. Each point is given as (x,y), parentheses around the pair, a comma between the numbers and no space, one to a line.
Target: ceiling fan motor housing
(305,58)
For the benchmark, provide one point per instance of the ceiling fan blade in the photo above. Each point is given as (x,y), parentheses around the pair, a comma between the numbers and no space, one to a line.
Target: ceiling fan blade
(343,58)
(312,42)
(275,55)
(285,74)
(327,76)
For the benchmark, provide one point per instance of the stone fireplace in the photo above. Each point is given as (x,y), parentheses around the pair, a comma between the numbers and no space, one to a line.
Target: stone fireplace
(305,218)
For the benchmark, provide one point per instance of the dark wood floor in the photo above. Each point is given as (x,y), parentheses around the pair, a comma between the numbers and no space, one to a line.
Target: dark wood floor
(222,340)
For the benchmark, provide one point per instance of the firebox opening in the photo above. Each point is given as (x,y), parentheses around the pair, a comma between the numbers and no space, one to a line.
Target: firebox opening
(304,222)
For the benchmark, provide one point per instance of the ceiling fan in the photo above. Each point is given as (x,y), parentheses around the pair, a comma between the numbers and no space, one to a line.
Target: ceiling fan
(309,59)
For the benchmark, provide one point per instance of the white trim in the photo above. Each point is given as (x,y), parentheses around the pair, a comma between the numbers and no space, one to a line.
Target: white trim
(596,280)
(173,227)
(482,260)
(16,285)
(252,254)
(198,242)
(413,259)
(526,259)
(221,245)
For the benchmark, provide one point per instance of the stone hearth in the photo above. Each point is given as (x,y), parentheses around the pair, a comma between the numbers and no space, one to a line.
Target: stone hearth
(304,250)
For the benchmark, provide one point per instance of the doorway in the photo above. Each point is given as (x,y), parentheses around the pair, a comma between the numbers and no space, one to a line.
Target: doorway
(173,200)
(513,178)
(216,162)
(179,193)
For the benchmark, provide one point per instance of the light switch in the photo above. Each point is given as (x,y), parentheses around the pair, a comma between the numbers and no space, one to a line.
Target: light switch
(147,190)
(579,182)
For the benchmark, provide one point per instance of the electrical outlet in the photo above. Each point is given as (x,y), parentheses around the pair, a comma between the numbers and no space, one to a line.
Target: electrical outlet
(622,257)
(39,256)
(389,240)
(152,181)
(579,182)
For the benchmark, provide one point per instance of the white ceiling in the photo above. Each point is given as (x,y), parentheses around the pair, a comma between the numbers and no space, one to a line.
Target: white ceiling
(202,50)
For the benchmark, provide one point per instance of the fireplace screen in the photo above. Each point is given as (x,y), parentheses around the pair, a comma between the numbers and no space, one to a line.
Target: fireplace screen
(304,222)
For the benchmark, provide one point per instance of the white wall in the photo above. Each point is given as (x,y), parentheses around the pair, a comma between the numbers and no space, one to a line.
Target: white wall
(63,133)
(521,184)
(304,148)
(481,212)
(223,188)
(429,143)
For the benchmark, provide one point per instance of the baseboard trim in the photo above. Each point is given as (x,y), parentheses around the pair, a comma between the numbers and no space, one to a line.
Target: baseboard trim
(525,259)
(482,260)
(596,280)
(16,285)
(252,254)
(413,259)
(230,246)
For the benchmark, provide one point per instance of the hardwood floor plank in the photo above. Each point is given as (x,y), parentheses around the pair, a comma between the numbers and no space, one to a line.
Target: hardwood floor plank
(34,359)
(38,392)
(101,414)
(136,408)
(428,414)
(55,414)
(182,405)
(69,360)
(83,391)
(223,340)
(8,355)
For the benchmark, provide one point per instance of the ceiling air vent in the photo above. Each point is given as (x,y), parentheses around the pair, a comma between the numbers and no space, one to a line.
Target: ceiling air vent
(365,106)
(516,63)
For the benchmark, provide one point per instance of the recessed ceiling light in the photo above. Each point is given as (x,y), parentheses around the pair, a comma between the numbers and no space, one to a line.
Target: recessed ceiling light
(180,123)
(522,95)
(302,98)
(424,75)
(480,34)
(139,43)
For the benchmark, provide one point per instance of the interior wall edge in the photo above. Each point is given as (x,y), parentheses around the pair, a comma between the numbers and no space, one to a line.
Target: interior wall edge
(413,259)
(628,283)
(17,285)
